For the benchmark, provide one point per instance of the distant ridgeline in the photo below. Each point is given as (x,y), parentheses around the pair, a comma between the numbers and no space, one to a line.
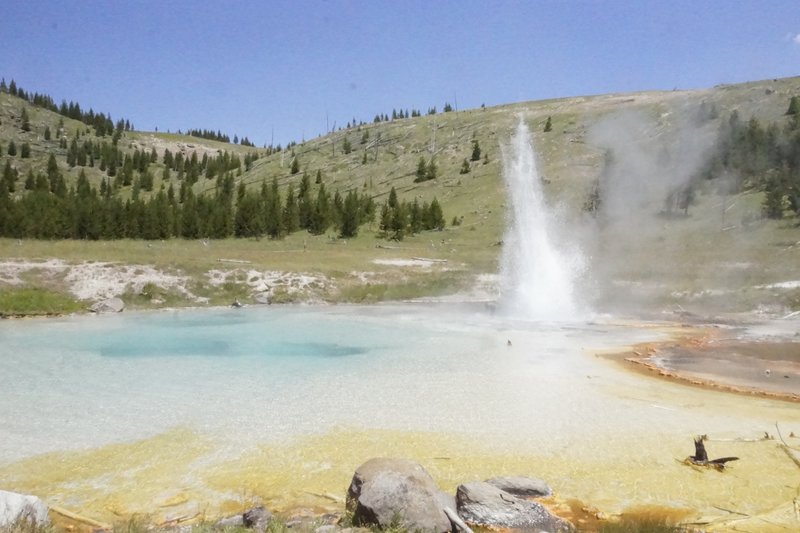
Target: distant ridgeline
(39,203)
(102,123)
(747,156)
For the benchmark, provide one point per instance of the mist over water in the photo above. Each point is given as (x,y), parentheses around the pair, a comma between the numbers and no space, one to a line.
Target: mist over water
(538,275)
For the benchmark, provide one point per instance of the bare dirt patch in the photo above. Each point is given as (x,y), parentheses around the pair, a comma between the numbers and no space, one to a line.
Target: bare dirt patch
(93,281)
(763,367)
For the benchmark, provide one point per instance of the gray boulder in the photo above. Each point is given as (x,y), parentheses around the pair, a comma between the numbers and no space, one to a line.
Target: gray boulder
(257,518)
(230,521)
(14,507)
(112,305)
(482,504)
(525,487)
(263,298)
(397,492)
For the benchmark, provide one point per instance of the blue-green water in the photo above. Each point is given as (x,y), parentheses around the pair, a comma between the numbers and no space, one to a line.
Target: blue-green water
(82,381)
(255,375)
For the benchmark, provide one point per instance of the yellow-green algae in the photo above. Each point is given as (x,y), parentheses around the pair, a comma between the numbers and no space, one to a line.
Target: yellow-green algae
(180,474)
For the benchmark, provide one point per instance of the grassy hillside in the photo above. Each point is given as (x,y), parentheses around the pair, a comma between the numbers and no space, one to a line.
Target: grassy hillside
(723,255)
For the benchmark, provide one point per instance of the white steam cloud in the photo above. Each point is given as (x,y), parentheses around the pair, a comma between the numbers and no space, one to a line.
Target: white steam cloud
(647,158)
(652,156)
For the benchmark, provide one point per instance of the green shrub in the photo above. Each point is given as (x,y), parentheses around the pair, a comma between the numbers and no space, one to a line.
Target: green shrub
(35,302)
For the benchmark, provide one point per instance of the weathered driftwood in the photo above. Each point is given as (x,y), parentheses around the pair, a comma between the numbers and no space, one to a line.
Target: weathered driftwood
(456,520)
(79,518)
(700,457)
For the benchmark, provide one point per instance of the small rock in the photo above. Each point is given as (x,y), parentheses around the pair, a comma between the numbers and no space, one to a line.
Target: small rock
(263,298)
(257,518)
(111,305)
(482,504)
(231,521)
(14,507)
(525,487)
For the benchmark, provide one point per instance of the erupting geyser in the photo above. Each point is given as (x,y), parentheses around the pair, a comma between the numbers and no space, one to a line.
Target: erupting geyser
(538,278)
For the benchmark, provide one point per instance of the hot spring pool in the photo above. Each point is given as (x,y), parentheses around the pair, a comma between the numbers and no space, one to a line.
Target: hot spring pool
(175,411)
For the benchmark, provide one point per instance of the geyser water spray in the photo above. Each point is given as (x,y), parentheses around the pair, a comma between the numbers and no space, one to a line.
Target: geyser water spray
(538,273)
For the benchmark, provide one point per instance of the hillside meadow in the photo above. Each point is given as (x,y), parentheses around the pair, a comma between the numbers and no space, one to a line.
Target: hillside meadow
(720,254)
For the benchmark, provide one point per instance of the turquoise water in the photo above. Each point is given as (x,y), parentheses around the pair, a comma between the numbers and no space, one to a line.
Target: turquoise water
(271,374)
(217,333)
(77,382)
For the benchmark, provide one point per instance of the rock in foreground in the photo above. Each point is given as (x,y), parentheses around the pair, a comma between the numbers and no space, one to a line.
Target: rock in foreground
(257,518)
(525,487)
(14,507)
(483,504)
(397,492)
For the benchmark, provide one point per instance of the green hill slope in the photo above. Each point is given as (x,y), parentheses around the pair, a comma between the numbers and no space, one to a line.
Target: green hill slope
(721,254)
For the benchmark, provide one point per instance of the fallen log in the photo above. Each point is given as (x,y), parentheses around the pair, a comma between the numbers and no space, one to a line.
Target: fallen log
(78,518)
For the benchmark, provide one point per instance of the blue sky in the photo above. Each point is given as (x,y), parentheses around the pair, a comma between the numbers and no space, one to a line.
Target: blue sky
(288,68)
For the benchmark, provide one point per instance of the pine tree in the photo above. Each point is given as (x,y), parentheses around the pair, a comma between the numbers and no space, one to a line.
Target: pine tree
(274,215)
(794,106)
(9,178)
(295,165)
(72,153)
(386,218)
(147,181)
(422,169)
(47,133)
(431,171)
(291,213)
(548,126)
(346,146)
(476,151)
(464,167)
(12,148)
(304,204)
(350,216)
(415,221)
(773,205)
(26,122)
(320,215)
(248,221)
(190,220)
(435,216)
(398,222)
(25,150)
